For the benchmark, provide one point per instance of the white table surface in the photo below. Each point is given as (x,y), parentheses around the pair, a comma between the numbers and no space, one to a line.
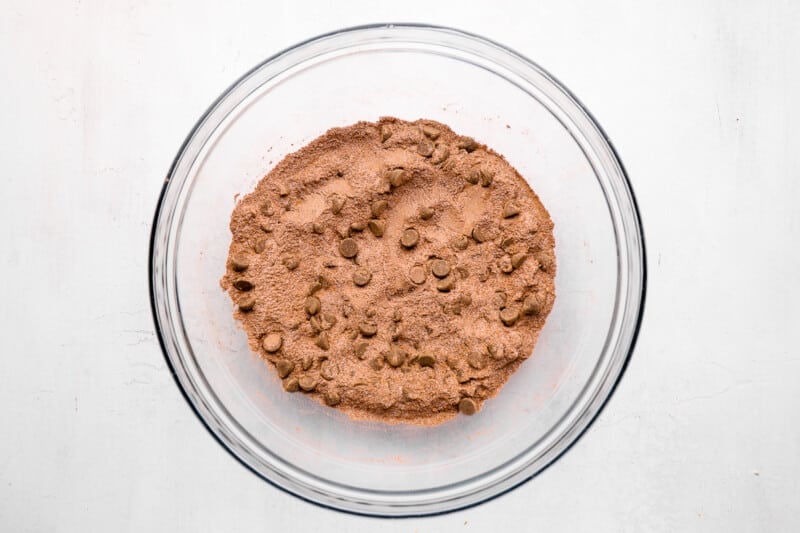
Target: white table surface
(701,100)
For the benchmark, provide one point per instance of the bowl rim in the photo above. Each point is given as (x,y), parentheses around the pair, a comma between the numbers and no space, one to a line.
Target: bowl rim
(636,214)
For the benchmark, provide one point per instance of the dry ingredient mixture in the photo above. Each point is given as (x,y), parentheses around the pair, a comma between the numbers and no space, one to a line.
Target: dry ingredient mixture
(394,270)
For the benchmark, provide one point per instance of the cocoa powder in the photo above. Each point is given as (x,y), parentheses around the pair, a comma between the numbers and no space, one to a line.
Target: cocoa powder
(394,270)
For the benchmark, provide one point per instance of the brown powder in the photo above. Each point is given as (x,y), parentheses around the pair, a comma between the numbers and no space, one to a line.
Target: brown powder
(394,270)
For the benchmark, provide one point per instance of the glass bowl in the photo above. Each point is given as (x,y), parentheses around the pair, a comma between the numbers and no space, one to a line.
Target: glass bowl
(480,89)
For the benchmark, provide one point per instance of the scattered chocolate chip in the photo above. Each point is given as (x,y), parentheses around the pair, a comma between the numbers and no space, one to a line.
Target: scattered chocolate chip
(247,303)
(426,360)
(332,397)
(322,341)
(480,234)
(500,299)
(430,132)
(370,312)
(518,259)
(467,406)
(446,284)
(358,226)
(376,363)
(417,274)
(272,342)
(409,238)
(509,316)
(318,228)
(467,143)
(396,357)
(316,327)
(291,262)
(487,177)
(362,276)
(348,248)
(240,262)
(243,285)
(425,147)
(386,132)
(328,320)
(360,349)
(284,367)
(307,383)
(327,370)
(511,209)
(377,227)
(312,305)
(266,228)
(460,243)
(475,360)
(337,203)
(440,268)
(473,177)
(368,329)
(260,246)
(378,207)
(495,351)
(505,265)
(307,362)
(425,213)
(291,385)
(397,177)
(532,305)
(440,153)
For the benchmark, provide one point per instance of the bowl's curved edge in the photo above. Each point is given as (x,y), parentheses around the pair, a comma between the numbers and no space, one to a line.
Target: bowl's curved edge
(179,155)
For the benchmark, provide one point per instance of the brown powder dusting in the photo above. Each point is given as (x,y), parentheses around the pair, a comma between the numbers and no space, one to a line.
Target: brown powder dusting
(394,270)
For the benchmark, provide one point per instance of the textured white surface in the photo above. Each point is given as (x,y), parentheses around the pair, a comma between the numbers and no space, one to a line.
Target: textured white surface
(703,433)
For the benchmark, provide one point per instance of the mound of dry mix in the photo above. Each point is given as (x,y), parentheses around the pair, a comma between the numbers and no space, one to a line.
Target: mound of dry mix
(394,270)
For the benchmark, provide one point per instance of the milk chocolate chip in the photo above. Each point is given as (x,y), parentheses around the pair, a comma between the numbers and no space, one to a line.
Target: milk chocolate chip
(440,268)
(272,342)
(467,406)
(284,367)
(417,274)
(348,248)
(377,227)
(240,262)
(409,238)
(243,285)
(247,303)
(312,305)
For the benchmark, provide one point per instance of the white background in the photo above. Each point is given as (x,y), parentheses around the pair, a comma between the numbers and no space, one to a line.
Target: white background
(701,101)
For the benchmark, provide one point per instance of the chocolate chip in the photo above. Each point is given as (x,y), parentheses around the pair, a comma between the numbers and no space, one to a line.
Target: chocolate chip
(307,362)
(480,234)
(290,262)
(475,360)
(500,299)
(396,176)
(467,406)
(362,276)
(240,262)
(511,209)
(348,248)
(532,305)
(446,284)
(509,316)
(465,299)
(376,363)
(291,385)
(487,177)
(260,246)
(266,227)
(337,203)
(440,268)
(312,305)
(460,243)
(377,227)
(473,177)
(284,367)
(332,397)
(243,285)
(417,274)
(272,342)
(426,360)
(307,383)
(409,238)
(505,265)
(360,349)
(467,143)
(371,312)
(430,132)
(545,262)
(386,132)
(316,327)
(425,213)
(426,147)
(495,351)
(358,226)
(440,153)
(247,303)
(518,259)
(322,341)
(368,329)
(327,371)
(318,228)
(378,207)
(396,357)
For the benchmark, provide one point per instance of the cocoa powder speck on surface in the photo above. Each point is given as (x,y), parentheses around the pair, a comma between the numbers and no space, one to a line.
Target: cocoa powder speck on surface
(394,270)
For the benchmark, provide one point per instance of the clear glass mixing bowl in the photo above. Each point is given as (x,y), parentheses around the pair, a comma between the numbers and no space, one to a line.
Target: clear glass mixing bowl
(480,89)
